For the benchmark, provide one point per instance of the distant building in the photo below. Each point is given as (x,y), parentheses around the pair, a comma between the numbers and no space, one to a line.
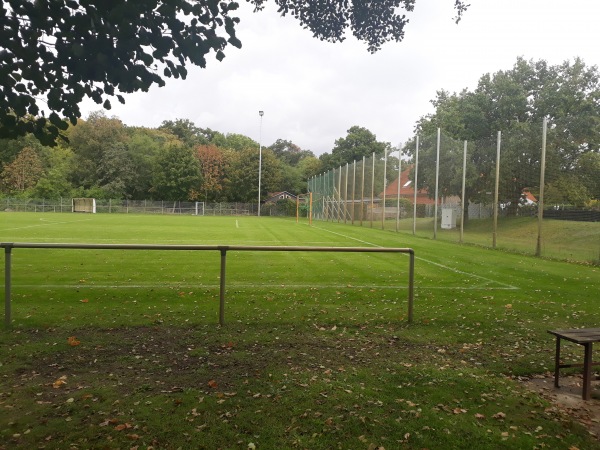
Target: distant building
(274,197)
(407,189)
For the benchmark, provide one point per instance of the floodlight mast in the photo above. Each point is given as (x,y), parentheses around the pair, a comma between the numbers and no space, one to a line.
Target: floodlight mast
(260,113)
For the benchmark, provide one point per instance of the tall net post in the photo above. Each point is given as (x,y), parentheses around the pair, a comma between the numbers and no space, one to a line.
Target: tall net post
(353,191)
(346,195)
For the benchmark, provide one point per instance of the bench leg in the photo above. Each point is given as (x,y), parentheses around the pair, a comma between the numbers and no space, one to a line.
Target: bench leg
(587,372)
(557,363)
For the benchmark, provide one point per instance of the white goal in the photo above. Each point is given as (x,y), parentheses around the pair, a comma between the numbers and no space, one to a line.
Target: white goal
(87,205)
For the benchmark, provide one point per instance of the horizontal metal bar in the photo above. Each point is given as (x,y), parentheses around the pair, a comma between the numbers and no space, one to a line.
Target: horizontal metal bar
(285,248)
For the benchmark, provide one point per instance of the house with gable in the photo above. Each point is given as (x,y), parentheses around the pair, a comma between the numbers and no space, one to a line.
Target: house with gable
(274,197)
(407,189)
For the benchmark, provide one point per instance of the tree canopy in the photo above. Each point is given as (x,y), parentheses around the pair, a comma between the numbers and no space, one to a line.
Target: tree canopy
(515,102)
(358,142)
(107,159)
(58,52)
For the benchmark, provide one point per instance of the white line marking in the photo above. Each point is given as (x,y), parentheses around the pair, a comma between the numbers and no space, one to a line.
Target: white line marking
(45,224)
(505,285)
(349,237)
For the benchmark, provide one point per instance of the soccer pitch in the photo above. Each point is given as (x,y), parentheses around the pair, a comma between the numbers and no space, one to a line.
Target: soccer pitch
(187,269)
(61,273)
(121,348)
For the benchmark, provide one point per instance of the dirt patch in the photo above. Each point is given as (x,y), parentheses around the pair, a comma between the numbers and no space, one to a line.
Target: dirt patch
(568,399)
(164,358)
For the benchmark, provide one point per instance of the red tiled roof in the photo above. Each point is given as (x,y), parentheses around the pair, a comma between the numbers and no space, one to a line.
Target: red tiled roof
(407,189)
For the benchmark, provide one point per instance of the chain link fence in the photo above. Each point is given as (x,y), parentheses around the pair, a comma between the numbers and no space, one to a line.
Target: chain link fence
(113,206)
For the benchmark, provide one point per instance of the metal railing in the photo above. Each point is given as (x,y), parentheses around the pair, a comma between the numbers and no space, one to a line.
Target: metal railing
(223,249)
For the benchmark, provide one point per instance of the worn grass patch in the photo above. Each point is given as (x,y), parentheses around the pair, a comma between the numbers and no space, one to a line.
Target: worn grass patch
(306,386)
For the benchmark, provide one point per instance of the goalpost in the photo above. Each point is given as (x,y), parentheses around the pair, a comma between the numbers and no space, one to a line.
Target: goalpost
(199,209)
(86,205)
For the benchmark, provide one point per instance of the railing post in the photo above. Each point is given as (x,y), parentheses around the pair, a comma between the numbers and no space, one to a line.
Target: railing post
(7,284)
(222,287)
(411,285)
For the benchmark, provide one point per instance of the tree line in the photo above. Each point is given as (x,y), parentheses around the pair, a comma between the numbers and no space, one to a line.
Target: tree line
(103,158)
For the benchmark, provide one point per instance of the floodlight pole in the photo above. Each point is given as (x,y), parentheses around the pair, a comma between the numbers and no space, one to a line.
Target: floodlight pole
(260,113)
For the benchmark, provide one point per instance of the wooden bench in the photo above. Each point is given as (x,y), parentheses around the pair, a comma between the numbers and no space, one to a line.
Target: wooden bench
(581,336)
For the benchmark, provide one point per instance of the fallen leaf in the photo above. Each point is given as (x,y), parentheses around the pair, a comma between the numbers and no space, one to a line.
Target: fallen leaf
(73,341)
(59,382)
(213,384)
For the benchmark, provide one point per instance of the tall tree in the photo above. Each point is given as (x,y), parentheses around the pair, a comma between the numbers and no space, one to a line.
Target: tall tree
(358,142)
(234,141)
(90,140)
(213,166)
(310,166)
(116,171)
(289,152)
(243,172)
(144,146)
(291,179)
(54,183)
(176,174)
(62,51)
(185,130)
(24,172)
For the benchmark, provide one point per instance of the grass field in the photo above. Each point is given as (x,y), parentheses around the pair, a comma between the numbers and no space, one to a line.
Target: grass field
(561,239)
(122,349)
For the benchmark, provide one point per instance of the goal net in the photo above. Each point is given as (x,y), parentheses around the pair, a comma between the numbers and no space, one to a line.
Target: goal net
(86,205)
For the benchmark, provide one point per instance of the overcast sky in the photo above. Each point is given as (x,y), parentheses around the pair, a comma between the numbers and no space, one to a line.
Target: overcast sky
(312,92)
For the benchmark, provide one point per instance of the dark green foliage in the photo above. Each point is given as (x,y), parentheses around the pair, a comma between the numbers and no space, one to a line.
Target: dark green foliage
(177,173)
(358,142)
(185,130)
(515,102)
(98,50)
(374,23)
